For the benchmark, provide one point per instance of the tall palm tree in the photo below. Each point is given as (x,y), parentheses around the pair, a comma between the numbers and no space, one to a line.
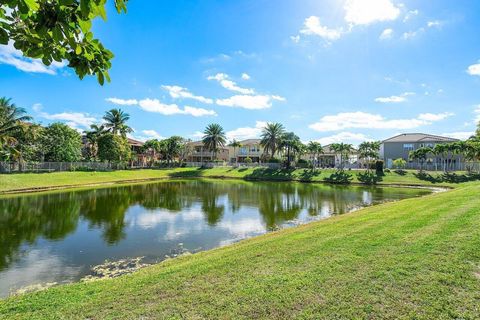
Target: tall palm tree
(292,144)
(369,151)
(116,122)
(343,150)
(441,150)
(235,144)
(214,138)
(11,120)
(271,136)
(315,148)
(92,136)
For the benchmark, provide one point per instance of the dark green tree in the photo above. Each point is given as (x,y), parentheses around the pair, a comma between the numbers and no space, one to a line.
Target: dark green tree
(113,148)
(116,122)
(271,136)
(214,138)
(61,143)
(58,30)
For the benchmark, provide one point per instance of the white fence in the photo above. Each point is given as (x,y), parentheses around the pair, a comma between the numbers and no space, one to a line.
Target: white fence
(10,167)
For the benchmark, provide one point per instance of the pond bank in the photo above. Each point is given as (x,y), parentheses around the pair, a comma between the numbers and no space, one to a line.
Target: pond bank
(413,257)
(29,183)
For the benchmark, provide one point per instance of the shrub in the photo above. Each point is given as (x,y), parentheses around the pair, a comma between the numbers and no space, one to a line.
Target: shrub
(399,163)
(379,167)
(248,160)
(273,160)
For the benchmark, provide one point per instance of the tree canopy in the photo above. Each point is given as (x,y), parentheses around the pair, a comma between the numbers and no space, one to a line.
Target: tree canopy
(59,30)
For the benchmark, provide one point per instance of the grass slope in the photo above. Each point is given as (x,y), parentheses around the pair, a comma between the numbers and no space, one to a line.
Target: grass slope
(416,258)
(30,181)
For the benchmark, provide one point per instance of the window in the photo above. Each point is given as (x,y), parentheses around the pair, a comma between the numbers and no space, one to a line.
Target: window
(408,147)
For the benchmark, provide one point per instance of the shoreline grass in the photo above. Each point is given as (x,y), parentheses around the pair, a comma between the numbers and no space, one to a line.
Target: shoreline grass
(31,182)
(416,258)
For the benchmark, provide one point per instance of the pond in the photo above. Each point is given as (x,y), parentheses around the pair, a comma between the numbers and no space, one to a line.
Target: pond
(58,237)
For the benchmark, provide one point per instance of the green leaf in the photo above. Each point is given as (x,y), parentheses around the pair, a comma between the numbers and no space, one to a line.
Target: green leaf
(32,4)
(85,25)
(78,50)
(3,36)
(100,78)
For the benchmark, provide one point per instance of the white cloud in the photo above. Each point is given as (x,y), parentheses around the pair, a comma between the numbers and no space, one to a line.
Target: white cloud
(245,76)
(249,102)
(312,26)
(180,92)
(360,12)
(363,120)
(474,70)
(410,14)
(154,105)
(122,102)
(386,34)
(76,120)
(432,117)
(434,23)
(347,137)
(461,135)
(152,134)
(412,34)
(11,56)
(394,99)
(246,132)
(198,112)
(228,84)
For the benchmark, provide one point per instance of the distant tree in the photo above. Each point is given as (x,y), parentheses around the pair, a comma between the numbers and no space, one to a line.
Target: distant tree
(185,149)
(399,163)
(369,151)
(315,149)
(154,146)
(343,150)
(291,143)
(12,119)
(420,155)
(271,136)
(214,138)
(235,144)
(61,143)
(92,136)
(113,148)
(173,147)
(58,30)
(116,122)
(29,142)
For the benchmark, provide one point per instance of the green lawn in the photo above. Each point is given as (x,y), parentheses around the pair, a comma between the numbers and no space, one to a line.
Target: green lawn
(417,258)
(27,181)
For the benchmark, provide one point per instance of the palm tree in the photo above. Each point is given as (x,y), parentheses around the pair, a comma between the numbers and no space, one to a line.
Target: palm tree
(12,119)
(235,144)
(271,136)
(214,138)
(343,150)
(368,151)
(116,122)
(420,155)
(92,137)
(442,151)
(315,148)
(292,144)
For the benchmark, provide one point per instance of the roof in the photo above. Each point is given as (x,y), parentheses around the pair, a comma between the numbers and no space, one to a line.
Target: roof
(250,141)
(134,142)
(419,137)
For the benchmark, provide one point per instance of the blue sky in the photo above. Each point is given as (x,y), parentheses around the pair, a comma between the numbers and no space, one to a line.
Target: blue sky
(335,70)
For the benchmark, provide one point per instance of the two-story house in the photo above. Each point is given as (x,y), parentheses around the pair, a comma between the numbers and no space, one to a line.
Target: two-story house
(399,147)
(199,153)
(249,148)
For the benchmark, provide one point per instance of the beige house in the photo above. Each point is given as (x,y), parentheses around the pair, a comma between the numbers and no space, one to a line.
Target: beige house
(200,154)
(249,148)
(329,159)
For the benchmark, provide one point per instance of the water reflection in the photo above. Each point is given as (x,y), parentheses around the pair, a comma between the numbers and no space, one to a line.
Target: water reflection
(83,227)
